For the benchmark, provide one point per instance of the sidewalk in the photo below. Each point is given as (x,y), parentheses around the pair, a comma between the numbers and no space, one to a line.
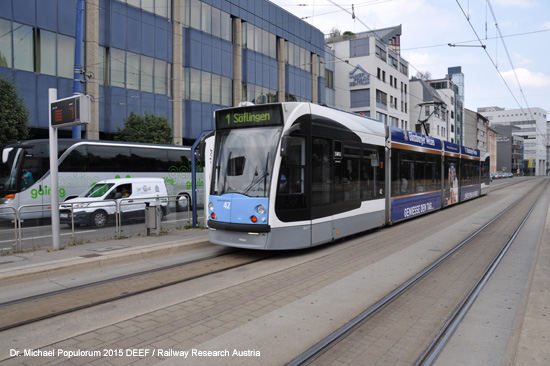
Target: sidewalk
(19,272)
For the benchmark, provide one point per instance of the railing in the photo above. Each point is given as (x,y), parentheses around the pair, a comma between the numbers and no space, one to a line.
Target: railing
(115,209)
(15,241)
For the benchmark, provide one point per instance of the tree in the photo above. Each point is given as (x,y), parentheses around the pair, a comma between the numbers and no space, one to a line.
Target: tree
(424,75)
(14,115)
(148,129)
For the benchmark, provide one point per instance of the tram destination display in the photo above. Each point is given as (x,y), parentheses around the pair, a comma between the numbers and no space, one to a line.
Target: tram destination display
(243,117)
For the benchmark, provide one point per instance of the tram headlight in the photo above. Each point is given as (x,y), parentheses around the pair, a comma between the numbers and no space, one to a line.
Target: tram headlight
(211,206)
(260,209)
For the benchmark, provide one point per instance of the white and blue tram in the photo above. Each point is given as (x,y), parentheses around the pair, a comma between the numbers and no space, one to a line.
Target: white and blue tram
(296,175)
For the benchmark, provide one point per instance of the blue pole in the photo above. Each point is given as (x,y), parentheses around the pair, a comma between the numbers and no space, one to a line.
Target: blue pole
(77,83)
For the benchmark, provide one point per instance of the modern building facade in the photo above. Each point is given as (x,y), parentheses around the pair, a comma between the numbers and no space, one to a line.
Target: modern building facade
(370,76)
(457,77)
(475,130)
(181,59)
(509,150)
(432,110)
(532,128)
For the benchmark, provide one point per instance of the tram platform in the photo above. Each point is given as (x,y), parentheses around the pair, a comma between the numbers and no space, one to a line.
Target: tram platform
(509,324)
(38,271)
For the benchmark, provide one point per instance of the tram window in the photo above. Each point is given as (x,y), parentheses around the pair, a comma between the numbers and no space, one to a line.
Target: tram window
(404,181)
(433,168)
(321,169)
(372,175)
(420,174)
(350,179)
(291,198)
(235,166)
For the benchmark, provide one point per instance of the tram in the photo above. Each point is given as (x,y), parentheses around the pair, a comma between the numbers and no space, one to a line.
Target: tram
(296,175)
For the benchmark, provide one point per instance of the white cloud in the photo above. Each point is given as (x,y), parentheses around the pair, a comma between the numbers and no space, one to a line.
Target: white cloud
(527,78)
(546,25)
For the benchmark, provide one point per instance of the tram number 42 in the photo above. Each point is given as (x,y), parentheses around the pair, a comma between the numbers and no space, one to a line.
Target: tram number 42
(227,205)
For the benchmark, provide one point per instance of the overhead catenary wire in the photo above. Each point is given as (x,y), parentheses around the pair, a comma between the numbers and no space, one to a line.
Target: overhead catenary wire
(543,136)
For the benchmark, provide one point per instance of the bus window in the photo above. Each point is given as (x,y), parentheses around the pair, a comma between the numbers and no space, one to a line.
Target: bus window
(109,158)
(152,160)
(76,161)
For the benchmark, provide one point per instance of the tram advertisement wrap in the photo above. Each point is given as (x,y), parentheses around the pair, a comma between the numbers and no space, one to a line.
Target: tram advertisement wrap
(409,206)
(469,192)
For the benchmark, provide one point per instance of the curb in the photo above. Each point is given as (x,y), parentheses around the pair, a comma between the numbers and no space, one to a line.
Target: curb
(54,270)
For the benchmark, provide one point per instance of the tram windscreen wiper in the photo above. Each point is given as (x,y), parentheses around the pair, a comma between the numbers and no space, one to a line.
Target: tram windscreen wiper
(259,178)
(255,181)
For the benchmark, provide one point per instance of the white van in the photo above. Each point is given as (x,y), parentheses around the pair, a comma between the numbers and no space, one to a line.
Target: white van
(97,206)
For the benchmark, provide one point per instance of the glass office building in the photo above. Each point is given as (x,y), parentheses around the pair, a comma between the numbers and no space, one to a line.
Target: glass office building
(181,59)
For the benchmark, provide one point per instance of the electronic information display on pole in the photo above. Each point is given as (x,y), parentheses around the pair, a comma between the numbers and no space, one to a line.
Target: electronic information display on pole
(65,112)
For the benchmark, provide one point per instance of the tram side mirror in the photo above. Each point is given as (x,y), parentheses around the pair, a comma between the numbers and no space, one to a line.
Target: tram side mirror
(285,146)
(199,154)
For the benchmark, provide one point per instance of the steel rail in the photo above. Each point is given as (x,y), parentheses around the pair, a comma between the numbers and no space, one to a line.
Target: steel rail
(125,294)
(322,346)
(431,353)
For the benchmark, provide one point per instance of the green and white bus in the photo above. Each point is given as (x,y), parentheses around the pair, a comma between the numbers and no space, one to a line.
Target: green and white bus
(25,173)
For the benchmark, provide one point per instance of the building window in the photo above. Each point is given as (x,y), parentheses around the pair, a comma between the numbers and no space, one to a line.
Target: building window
(381,117)
(359,98)
(148,5)
(45,52)
(359,47)
(381,53)
(118,59)
(23,47)
(5,43)
(160,77)
(195,17)
(195,84)
(146,71)
(206,83)
(329,79)
(381,99)
(132,70)
(206,17)
(65,64)
(103,67)
(393,62)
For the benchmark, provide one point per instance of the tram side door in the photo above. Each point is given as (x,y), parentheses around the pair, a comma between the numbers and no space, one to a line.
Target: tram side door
(321,190)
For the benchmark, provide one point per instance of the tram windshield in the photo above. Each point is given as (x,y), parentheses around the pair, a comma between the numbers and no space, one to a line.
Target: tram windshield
(244,161)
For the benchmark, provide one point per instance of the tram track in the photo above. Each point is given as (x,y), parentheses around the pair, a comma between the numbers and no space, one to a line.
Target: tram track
(341,341)
(48,305)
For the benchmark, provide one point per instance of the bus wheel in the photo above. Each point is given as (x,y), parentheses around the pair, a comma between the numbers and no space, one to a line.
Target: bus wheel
(182,202)
(99,219)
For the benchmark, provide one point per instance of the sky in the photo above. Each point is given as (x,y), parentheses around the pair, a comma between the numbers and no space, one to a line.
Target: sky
(512,71)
